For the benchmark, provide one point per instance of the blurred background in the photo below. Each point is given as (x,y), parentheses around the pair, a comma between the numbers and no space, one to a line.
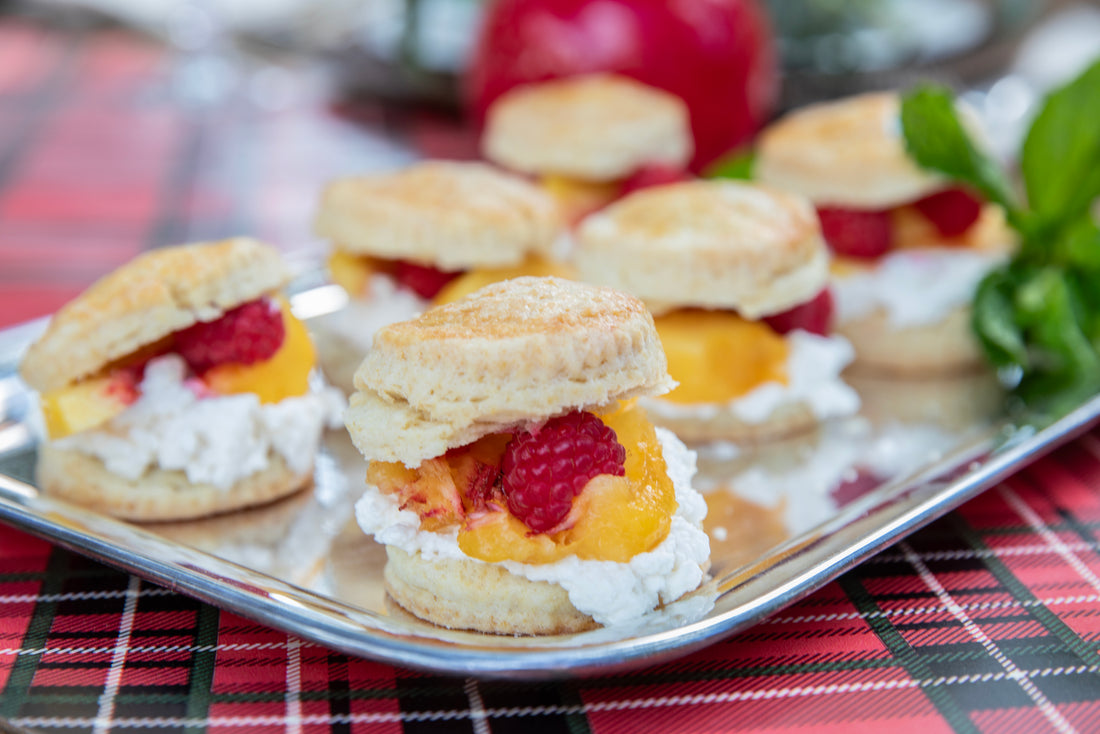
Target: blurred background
(129,124)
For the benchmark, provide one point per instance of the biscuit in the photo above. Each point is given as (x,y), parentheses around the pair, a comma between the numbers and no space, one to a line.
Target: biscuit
(720,423)
(847,153)
(598,127)
(464,594)
(158,494)
(147,299)
(513,352)
(945,347)
(710,244)
(452,215)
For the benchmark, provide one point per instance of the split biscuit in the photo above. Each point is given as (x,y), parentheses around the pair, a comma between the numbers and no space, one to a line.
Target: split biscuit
(522,350)
(599,127)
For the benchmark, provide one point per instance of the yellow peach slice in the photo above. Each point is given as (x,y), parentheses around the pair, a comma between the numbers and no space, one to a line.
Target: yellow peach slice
(472,280)
(87,404)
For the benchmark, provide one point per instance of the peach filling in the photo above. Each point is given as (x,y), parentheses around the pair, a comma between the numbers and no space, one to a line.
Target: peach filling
(614,518)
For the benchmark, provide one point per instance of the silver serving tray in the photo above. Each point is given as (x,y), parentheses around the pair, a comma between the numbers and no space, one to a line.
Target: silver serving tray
(785,519)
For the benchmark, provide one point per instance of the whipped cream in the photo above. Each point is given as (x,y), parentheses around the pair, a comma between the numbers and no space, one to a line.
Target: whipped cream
(814,364)
(177,425)
(387,303)
(914,287)
(612,593)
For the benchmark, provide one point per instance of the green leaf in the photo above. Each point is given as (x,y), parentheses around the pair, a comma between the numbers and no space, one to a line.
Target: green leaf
(937,140)
(994,320)
(1060,160)
(736,165)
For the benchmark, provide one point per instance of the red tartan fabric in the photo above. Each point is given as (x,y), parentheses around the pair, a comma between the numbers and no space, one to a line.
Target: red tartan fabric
(986,621)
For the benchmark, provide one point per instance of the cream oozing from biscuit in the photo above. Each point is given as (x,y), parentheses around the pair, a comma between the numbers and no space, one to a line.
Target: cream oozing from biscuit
(611,593)
(215,440)
(913,287)
(814,364)
(386,303)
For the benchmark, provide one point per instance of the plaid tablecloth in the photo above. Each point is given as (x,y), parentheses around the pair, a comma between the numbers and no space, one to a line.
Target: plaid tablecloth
(988,620)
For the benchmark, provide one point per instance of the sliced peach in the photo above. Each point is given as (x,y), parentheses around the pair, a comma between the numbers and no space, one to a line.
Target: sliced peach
(616,518)
(89,403)
(472,280)
(350,272)
(718,356)
(576,198)
(285,374)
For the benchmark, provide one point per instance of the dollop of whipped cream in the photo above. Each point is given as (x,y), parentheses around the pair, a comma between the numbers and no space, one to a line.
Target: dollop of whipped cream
(610,592)
(387,303)
(176,424)
(814,364)
(914,287)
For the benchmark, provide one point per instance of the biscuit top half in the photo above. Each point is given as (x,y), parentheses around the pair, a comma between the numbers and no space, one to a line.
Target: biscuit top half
(513,353)
(451,215)
(846,153)
(708,244)
(599,127)
(147,299)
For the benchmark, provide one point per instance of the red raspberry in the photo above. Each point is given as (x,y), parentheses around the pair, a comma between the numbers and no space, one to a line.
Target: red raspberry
(654,174)
(856,232)
(423,280)
(951,211)
(248,334)
(813,316)
(545,469)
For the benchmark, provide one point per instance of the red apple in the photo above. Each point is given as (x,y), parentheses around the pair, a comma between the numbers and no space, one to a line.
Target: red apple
(717,55)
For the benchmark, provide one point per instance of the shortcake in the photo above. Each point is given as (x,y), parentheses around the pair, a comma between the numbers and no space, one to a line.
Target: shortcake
(180,386)
(736,277)
(591,138)
(404,240)
(516,485)
(910,247)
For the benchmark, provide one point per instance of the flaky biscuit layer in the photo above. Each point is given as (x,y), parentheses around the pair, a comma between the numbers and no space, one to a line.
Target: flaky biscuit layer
(846,153)
(712,244)
(453,215)
(147,299)
(158,494)
(599,127)
(513,352)
(463,594)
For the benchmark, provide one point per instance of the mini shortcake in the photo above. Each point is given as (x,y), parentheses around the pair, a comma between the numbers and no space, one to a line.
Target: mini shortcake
(179,386)
(736,277)
(516,485)
(590,139)
(426,234)
(910,247)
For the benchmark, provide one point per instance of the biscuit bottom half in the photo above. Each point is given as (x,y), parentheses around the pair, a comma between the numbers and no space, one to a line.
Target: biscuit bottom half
(465,594)
(942,348)
(158,494)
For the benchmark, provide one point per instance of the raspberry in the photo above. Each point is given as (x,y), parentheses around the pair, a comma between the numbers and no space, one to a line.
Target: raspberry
(654,174)
(813,316)
(951,211)
(249,333)
(545,469)
(423,280)
(856,232)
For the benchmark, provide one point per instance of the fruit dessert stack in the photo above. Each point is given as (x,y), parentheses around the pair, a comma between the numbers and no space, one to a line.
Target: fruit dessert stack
(515,485)
(590,139)
(405,240)
(910,248)
(180,386)
(736,277)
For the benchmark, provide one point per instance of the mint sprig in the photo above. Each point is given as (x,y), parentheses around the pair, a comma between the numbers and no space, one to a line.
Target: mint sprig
(1038,316)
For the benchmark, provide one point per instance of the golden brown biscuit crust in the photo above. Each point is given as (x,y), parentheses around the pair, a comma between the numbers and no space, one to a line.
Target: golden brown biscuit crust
(946,347)
(158,494)
(712,244)
(465,594)
(847,153)
(598,127)
(147,299)
(517,351)
(453,215)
